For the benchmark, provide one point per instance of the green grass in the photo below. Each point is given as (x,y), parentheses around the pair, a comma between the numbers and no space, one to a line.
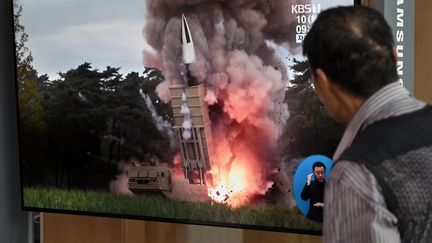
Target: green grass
(154,205)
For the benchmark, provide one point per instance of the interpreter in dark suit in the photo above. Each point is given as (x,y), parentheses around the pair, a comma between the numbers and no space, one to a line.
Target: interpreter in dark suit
(314,192)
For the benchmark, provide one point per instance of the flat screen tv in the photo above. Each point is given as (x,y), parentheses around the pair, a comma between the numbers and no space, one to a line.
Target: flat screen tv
(191,111)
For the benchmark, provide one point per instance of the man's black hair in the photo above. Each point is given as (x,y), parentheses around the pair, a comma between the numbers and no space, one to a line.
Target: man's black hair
(353,45)
(318,164)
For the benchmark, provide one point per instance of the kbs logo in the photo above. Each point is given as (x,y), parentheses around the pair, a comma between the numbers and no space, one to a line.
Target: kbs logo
(306,8)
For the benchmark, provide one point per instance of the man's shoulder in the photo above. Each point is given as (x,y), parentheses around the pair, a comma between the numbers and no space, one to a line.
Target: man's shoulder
(388,138)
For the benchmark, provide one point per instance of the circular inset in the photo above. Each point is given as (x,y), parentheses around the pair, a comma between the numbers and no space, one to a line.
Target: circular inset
(300,178)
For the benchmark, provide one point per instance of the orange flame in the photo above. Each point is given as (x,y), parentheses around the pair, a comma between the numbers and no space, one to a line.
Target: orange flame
(245,134)
(237,177)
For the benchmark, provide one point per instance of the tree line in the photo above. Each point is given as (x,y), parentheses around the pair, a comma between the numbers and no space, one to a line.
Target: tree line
(74,131)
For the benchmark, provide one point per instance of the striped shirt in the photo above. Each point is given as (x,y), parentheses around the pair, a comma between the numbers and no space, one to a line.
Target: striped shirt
(354,207)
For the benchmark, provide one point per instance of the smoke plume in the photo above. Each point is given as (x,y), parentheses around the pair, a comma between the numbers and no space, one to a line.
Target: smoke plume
(120,184)
(235,58)
(187,122)
(161,124)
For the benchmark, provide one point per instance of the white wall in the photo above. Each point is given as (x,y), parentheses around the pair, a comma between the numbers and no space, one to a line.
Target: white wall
(13,221)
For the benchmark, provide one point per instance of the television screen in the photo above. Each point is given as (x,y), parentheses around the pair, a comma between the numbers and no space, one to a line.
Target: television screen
(192,111)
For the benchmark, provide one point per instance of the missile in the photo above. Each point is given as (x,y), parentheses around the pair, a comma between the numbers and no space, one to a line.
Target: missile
(187,43)
(188,52)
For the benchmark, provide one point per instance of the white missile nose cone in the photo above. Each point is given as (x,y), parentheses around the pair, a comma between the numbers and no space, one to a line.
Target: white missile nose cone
(188,49)
(185,33)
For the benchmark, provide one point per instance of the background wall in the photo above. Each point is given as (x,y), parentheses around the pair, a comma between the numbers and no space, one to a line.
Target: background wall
(423,50)
(13,222)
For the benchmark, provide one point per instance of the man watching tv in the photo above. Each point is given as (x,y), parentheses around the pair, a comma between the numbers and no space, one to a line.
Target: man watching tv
(379,187)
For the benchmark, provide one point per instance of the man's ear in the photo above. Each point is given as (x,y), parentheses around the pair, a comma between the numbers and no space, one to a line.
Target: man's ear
(394,55)
(321,80)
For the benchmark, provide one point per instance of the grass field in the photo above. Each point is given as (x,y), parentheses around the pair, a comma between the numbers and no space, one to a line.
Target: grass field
(154,205)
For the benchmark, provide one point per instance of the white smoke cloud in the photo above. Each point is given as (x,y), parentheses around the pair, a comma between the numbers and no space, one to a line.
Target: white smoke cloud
(187,122)
(161,124)
(120,184)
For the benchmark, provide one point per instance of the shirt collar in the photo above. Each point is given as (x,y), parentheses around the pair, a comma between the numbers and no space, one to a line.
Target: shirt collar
(384,103)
